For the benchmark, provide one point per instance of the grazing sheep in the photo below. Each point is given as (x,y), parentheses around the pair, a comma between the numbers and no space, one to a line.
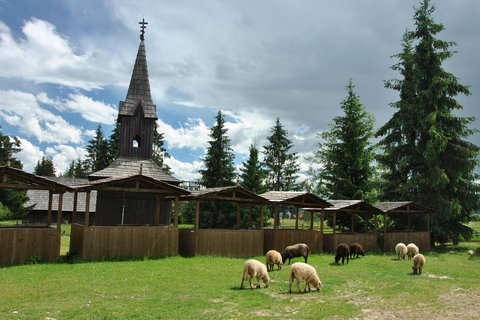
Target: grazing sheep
(297,250)
(401,250)
(302,271)
(342,252)
(418,263)
(274,258)
(412,250)
(255,269)
(356,249)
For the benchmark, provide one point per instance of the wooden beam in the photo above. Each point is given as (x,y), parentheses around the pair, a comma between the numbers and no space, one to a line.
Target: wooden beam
(384,232)
(134,190)
(87,208)
(375,223)
(296,218)
(250,214)
(197,217)
(59,211)
(352,223)
(74,210)
(262,209)
(49,213)
(175,212)
(157,209)
(311,220)
(276,217)
(334,222)
(238,216)
(322,219)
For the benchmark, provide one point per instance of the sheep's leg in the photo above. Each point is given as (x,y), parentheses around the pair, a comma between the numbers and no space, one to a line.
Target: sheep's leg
(306,257)
(290,283)
(241,286)
(298,285)
(250,281)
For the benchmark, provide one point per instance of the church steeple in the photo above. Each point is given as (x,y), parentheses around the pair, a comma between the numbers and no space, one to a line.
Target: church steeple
(137,113)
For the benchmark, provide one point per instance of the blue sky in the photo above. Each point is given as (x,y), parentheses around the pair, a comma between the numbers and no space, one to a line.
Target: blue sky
(65,65)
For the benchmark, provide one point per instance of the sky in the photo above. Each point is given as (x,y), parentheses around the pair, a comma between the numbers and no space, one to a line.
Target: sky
(66,64)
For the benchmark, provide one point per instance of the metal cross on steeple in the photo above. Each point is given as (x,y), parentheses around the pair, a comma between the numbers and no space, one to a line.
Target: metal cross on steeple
(142,31)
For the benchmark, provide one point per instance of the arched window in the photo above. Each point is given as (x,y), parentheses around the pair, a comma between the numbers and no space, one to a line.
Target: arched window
(136,141)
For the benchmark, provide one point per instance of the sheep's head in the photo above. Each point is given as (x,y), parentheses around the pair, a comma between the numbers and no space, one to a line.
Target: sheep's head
(414,268)
(337,258)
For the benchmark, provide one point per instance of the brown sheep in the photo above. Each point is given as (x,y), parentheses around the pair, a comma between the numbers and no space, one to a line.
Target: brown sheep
(342,252)
(297,250)
(273,258)
(356,249)
(418,263)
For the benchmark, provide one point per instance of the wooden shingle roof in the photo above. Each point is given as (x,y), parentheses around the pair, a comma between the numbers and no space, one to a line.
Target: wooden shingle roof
(123,166)
(230,193)
(296,198)
(356,206)
(9,178)
(402,207)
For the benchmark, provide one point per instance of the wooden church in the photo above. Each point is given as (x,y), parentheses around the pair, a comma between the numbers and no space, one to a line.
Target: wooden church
(136,117)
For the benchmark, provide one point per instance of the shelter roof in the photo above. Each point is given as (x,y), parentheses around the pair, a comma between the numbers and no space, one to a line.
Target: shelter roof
(356,206)
(296,198)
(133,183)
(139,95)
(9,178)
(402,207)
(124,166)
(230,193)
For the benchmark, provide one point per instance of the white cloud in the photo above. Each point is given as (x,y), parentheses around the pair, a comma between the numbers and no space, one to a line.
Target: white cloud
(22,110)
(63,155)
(91,110)
(191,135)
(184,170)
(29,155)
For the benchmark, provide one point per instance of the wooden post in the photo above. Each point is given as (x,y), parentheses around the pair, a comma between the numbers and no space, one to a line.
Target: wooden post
(429,216)
(384,231)
(409,222)
(334,222)
(375,223)
(311,220)
(262,209)
(49,213)
(175,212)
(59,211)
(352,224)
(157,209)
(296,218)
(276,218)
(197,216)
(238,216)
(87,208)
(74,212)
(250,214)
(322,219)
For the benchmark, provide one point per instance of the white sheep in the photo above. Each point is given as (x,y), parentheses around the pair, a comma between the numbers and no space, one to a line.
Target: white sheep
(401,250)
(302,271)
(412,250)
(274,258)
(418,263)
(255,269)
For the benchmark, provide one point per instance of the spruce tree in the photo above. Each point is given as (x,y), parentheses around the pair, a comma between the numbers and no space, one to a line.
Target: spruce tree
(97,150)
(219,172)
(252,174)
(424,141)
(281,165)
(159,152)
(45,167)
(114,143)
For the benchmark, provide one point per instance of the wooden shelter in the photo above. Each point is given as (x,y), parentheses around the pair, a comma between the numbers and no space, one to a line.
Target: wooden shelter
(224,242)
(351,208)
(278,239)
(19,243)
(389,239)
(127,239)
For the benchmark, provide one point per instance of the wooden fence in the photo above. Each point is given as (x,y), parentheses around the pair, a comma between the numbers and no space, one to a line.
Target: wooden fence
(369,241)
(421,239)
(278,239)
(97,242)
(224,243)
(18,244)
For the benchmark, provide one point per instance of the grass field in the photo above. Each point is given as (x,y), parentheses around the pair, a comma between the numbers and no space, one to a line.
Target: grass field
(371,287)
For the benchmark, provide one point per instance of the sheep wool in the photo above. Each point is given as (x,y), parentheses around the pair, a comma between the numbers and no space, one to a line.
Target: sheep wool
(274,258)
(401,250)
(255,269)
(412,250)
(418,263)
(304,272)
(297,250)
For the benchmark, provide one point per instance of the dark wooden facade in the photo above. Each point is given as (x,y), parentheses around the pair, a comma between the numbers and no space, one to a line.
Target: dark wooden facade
(136,134)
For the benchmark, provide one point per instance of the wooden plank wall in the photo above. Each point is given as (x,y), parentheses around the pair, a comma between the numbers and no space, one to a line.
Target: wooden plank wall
(186,242)
(76,239)
(421,239)
(278,239)
(229,243)
(17,245)
(128,241)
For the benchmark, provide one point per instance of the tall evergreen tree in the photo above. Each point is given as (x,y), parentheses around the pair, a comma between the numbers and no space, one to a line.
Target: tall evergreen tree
(281,166)
(219,172)
(159,152)
(252,173)
(97,150)
(424,141)
(219,166)
(76,169)
(45,167)
(346,154)
(113,143)
(11,201)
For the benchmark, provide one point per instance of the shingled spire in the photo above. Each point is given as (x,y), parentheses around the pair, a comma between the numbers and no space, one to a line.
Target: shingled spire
(137,114)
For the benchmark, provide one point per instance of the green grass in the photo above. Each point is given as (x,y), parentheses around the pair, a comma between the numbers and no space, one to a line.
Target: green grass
(375,286)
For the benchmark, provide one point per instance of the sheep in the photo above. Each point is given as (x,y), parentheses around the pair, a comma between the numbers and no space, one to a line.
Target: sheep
(302,271)
(255,269)
(297,250)
(274,258)
(412,250)
(356,249)
(401,250)
(342,252)
(418,263)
